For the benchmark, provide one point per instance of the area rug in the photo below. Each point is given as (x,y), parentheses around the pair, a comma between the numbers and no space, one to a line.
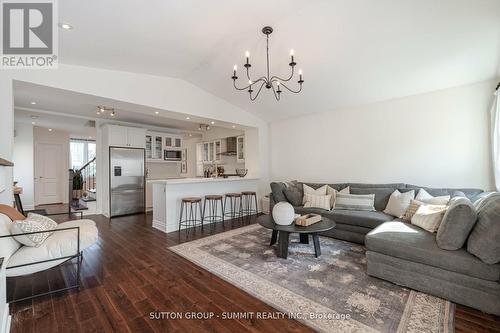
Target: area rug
(331,293)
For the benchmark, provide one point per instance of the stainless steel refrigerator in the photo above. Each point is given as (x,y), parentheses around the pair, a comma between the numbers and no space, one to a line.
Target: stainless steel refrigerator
(126,181)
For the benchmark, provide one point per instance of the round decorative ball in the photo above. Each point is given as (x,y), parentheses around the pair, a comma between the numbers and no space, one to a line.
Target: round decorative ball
(283,213)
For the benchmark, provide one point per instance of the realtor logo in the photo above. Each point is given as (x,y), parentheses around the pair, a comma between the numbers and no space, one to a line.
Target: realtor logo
(29,31)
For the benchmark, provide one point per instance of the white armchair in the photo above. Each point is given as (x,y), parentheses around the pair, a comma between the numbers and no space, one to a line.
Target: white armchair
(67,242)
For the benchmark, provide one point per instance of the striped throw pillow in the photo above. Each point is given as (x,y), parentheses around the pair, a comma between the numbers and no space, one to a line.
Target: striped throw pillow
(318,201)
(412,209)
(309,190)
(333,192)
(355,201)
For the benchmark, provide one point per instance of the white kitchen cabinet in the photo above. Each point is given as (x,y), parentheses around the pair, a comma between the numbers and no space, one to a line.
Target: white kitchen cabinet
(149,147)
(211,151)
(206,158)
(157,147)
(177,142)
(218,150)
(122,136)
(173,141)
(135,137)
(240,149)
(199,159)
(117,136)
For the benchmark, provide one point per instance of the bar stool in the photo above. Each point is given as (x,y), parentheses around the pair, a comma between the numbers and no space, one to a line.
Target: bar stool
(190,206)
(215,215)
(249,203)
(235,207)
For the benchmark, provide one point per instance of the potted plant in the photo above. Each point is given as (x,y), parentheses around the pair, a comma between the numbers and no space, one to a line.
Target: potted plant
(77,184)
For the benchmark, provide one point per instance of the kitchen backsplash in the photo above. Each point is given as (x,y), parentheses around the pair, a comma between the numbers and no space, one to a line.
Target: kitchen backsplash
(163,170)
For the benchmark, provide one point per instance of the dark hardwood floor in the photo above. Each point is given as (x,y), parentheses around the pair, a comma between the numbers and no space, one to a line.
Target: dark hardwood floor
(130,272)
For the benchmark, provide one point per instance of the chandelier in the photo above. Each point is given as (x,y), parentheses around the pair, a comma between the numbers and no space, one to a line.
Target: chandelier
(270,82)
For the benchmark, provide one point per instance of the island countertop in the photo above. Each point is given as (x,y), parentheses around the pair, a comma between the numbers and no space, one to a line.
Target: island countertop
(199,180)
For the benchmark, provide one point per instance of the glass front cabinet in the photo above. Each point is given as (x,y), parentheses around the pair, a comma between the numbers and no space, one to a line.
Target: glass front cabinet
(156,142)
(149,146)
(240,149)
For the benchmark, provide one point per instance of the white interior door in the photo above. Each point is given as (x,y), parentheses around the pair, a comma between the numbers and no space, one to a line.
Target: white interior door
(48,177)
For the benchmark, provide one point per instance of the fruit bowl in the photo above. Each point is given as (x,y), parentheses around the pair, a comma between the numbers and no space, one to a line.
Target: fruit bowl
(241,172)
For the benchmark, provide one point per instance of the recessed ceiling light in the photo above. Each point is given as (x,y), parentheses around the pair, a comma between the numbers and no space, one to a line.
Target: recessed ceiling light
(33,123)
(188,118)
(234,126)
(190,134)
(65,26)
(157,112)
(212,122)
(50,129)
(33,103)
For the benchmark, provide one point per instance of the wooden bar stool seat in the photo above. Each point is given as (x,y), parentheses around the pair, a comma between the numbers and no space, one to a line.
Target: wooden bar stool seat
(213,197)
(191,199)
(233,195)
(190,207)
(249,193)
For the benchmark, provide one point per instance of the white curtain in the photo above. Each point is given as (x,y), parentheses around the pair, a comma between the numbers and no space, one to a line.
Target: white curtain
(495,138)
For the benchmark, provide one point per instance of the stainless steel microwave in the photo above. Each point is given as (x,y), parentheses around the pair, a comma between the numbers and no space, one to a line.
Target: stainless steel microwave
(172,155)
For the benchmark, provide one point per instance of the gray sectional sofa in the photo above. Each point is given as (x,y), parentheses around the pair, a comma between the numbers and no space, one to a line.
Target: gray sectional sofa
(405,254)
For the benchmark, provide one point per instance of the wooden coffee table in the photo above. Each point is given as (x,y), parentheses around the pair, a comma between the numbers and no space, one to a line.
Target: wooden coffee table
(281,233)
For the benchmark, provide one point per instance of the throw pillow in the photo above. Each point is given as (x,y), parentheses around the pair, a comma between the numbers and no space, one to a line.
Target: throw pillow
(484,240)
(310,190)
(355,201)
(318,201)
(429,217)
(456,225)
(277,190)
(294,195)
(333,192)
(33,222)
(412,209)
(425,197)
(399,202)
(382,195)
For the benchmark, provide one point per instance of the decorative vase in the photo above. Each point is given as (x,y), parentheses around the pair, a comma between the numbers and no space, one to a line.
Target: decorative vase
(283,213)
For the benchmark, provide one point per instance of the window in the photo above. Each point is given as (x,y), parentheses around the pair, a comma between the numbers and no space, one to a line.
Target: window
(81,151)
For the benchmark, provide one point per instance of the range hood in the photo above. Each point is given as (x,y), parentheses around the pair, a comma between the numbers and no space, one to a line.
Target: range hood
(230,147)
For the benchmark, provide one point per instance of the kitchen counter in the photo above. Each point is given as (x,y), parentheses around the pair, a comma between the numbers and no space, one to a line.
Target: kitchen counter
(199,180)
(168,193)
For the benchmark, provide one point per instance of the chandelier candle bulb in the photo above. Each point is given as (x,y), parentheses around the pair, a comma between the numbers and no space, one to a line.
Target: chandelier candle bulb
(292,54)
(247,55)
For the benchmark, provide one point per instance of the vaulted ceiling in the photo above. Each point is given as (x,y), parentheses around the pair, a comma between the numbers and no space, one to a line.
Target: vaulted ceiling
(352,52)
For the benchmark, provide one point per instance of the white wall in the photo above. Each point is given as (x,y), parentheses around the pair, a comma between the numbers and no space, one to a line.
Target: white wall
(438,139)
(42,135)
(23,163)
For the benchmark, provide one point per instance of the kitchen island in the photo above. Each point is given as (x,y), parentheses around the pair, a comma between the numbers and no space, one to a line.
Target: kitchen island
(167,195)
